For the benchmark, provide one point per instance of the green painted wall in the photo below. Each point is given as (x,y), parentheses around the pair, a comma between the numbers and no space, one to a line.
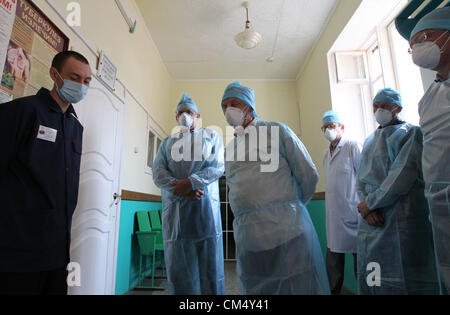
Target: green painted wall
(128,250)
(317,212)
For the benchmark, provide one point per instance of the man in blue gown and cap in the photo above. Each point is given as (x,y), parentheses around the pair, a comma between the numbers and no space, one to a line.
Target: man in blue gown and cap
(187,169)
(429,39)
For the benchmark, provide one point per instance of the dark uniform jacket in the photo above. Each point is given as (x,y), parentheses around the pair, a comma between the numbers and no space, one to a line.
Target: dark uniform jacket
(39,178)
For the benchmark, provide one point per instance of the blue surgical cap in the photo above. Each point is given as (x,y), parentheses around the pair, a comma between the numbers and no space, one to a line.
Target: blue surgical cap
(437,19)
(388,95)
(331,117)
(244,94)
(187,102)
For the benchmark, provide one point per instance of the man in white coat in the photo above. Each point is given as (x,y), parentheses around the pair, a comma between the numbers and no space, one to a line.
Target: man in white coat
(340,164)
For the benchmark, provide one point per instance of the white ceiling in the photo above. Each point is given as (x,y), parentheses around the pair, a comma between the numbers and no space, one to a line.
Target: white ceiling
(195,38)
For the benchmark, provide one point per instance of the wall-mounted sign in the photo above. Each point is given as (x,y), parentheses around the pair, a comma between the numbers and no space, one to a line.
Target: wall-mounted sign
(29,51)
(107,71)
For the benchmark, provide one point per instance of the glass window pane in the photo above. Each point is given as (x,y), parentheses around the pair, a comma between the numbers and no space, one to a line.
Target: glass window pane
(230,220)
(350,66)
(227,217)
(375,63)
(223,214)
(377,85)
(231,246)
(223,189)
(224,238)
(408,75)
(158,144)
(150,151)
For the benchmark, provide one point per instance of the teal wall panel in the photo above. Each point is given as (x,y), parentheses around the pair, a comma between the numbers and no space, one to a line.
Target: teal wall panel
(128,250)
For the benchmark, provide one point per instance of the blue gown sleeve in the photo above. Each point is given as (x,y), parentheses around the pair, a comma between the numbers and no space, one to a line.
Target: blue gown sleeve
(162,176)
(361,190)
(403,173)
(360,185)
(214,166)
(300,162)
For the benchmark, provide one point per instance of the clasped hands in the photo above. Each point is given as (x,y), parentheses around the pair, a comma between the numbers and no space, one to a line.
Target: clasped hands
(374,218)
(183,188)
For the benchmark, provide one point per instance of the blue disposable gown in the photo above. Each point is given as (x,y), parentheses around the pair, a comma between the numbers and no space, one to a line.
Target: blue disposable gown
(390,179)
(192,230)
(434,110)
(278,251)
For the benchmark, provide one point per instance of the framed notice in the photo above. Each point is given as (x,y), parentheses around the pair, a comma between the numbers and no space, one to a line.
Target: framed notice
(107,71)
(34,41)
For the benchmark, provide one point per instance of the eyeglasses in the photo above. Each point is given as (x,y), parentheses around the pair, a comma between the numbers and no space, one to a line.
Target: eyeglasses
(331,126)
(181,112)
(422,38)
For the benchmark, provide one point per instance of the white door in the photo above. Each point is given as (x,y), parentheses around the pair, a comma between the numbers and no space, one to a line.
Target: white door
(95,225)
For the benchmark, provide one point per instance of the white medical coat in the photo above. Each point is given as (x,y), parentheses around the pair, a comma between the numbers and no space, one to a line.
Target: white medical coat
(341,196)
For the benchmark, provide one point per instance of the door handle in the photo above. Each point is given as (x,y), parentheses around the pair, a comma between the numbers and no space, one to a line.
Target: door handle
(117,198)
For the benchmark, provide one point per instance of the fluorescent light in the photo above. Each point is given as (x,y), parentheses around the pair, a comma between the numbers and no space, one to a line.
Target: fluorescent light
(127,14)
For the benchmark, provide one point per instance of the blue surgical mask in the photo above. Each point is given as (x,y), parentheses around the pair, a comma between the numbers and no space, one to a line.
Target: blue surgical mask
(71,92)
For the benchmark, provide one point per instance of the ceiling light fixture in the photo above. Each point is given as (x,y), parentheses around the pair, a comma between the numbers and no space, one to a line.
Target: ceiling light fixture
(248,39)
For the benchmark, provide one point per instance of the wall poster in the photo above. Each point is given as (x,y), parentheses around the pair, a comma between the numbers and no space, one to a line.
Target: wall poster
(34,41)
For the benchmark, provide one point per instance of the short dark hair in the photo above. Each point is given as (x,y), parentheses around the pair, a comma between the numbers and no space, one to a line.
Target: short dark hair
(60,59)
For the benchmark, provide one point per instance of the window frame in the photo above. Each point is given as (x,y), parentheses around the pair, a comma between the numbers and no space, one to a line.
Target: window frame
(354,99)
(340,70)
(372,79)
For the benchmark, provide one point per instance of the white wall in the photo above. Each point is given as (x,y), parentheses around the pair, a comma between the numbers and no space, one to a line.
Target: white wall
(313,86)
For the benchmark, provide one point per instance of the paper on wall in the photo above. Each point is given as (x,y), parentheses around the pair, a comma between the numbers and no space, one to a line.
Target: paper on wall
(7,16)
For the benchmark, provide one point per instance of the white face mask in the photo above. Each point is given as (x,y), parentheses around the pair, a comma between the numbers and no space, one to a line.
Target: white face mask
(427,55)
(235,117)
(384,117)
(331,134)
(186,120)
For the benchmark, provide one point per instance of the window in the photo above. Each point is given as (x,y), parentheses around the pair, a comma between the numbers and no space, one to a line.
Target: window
(352,67)
(151,149)
(407,74)
(153,143)
(389,65)
(229,246)
(377,81)
(371,37)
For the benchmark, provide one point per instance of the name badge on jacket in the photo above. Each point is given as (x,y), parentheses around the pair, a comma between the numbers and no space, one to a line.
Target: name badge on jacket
(47,134)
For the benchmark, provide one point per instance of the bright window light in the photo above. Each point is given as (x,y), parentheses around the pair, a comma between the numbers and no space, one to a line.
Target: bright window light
(409,79)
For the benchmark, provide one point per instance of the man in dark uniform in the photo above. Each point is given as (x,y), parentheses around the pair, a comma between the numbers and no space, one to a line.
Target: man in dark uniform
(39,178)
